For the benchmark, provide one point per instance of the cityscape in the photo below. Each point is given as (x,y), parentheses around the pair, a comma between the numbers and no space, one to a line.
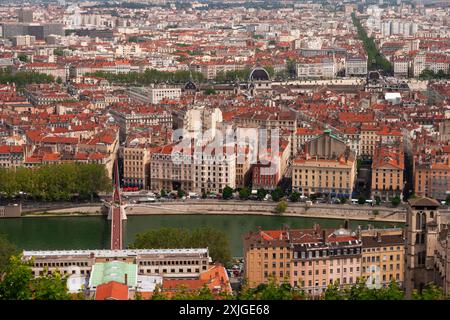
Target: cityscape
(225,150)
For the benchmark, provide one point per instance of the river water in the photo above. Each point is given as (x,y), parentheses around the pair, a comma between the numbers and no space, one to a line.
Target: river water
(93,232)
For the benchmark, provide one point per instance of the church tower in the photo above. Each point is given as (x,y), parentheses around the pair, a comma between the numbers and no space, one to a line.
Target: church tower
(422,228)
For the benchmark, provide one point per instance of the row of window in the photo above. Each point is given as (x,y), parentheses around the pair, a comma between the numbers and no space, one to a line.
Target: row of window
(170,263)
(163,271)
(324,271)
(61,264)
(377,258)
(375,268)
(378,249)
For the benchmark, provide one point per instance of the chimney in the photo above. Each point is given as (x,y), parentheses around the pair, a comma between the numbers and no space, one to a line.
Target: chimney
(126,278)
(324,236)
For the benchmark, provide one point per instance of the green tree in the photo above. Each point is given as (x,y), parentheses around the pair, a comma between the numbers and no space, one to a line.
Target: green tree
(16,280)
(333,292)
(7,249)
(447,200)
(216,241)
(377,201)
(343,200)
(56,182)
(261,193)
(23,57)
(180,193)
(281,207)
(395,201)
(209,91)
(22,78)
(161,239)
(360,291)
(277,194)
(427,74)
(244,193)
(271,291)
(133,39)
(50,287)
(58,52)
(374,57)
(361,200)
(227,193)
(158,294)
(391,292)
(204,294)
(295,196)
(430,292)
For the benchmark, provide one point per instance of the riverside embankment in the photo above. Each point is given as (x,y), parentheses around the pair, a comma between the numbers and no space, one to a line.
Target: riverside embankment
(233,207)
(221,207)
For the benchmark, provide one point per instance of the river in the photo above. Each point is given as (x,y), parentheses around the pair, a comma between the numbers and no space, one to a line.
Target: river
(92,232)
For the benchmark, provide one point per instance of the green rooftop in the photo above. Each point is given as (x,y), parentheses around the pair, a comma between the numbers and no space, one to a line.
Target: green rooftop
(113,271)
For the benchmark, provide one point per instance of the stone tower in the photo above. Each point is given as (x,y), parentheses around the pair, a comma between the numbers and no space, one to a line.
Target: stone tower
(422,228)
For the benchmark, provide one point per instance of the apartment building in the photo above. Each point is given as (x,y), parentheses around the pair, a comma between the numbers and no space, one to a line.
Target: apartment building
(214,169)
(270,168)
(368,140)
(243,166)
(432,175)
(136,166)
(355,66)
(309,259)
(51,69)
(154,94)
(383,254)
(128,116)
(12,156)
(371,135)
(324,258)
(327,166)
(401,67)
(25,41)
(128,50)
(431,61)
(267,253)
(171,168)
(316,68)
(388,166)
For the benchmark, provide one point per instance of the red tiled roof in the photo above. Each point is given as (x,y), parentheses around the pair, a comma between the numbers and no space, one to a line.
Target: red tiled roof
(112,291)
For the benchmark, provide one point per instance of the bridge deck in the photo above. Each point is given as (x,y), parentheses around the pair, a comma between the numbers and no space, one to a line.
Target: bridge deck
(116,215)
(116,228)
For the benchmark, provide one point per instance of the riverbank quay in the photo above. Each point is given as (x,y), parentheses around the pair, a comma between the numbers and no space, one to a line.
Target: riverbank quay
(236,207)
(230,207)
